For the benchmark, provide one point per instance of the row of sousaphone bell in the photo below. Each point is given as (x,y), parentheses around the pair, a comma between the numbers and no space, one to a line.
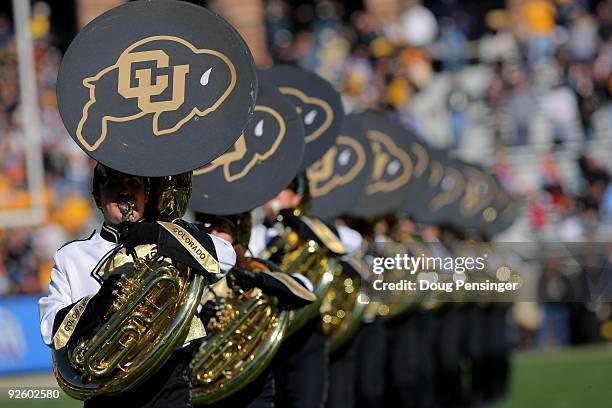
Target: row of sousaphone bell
(157,300)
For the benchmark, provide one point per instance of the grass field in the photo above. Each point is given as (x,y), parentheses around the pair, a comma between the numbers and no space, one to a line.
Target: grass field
(578,377)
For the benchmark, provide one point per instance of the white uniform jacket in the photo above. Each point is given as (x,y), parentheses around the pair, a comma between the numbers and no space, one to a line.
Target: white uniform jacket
(72,276)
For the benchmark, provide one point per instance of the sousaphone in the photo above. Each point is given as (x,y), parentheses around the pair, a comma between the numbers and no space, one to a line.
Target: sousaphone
(244,337)
(336,182)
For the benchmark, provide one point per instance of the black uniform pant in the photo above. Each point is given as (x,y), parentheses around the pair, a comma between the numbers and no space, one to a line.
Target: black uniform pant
(170,387)
(451,351)
(342,373)
(370,351)
(410,361)
(301,368)
(491,367)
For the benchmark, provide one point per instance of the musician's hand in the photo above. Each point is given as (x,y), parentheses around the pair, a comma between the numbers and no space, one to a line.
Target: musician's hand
(133,234)
(102,301)
(96,309)
(245,279)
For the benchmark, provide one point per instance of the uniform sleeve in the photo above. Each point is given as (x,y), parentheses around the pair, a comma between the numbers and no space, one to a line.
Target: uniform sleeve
(204,253)
(225,253)
(257,242)
(287,289)
(57,299)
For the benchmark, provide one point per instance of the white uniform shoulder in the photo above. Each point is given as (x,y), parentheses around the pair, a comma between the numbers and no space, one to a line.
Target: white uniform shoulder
(72,278)
(258,240)
(64,248)
(225,253)
(351,239)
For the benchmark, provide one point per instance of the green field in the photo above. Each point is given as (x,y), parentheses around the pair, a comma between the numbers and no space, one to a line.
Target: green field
(578,377)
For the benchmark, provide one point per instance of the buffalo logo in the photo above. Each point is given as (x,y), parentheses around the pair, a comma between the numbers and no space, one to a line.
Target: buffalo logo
(451,187)
(437,172)
(478,193)
(339,166)
(392,166)
(422,159)
(188,82)
(258,143)
(316,114)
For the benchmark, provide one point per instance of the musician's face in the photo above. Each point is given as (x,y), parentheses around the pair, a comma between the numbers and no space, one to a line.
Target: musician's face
(223,230)
(284,200)
(121,188)
(223,235)
(289,198)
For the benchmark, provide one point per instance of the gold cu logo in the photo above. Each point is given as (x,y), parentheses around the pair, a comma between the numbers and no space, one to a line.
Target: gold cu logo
(146,88)
(203,64)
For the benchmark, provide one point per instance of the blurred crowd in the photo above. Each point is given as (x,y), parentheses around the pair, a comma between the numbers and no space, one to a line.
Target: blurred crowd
(483,80)
(547,57)
(525,73)
(26,253)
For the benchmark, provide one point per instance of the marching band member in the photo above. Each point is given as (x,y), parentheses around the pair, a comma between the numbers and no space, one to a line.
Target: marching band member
(301,365)
(78,299)
(301,373)
(151,90)
(223,195)
(336,182)
(260,392)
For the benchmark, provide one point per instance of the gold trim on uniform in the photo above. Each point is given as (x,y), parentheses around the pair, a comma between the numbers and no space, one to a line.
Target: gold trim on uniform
(326,235)
(292,285)
(199,253)
(66,329)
